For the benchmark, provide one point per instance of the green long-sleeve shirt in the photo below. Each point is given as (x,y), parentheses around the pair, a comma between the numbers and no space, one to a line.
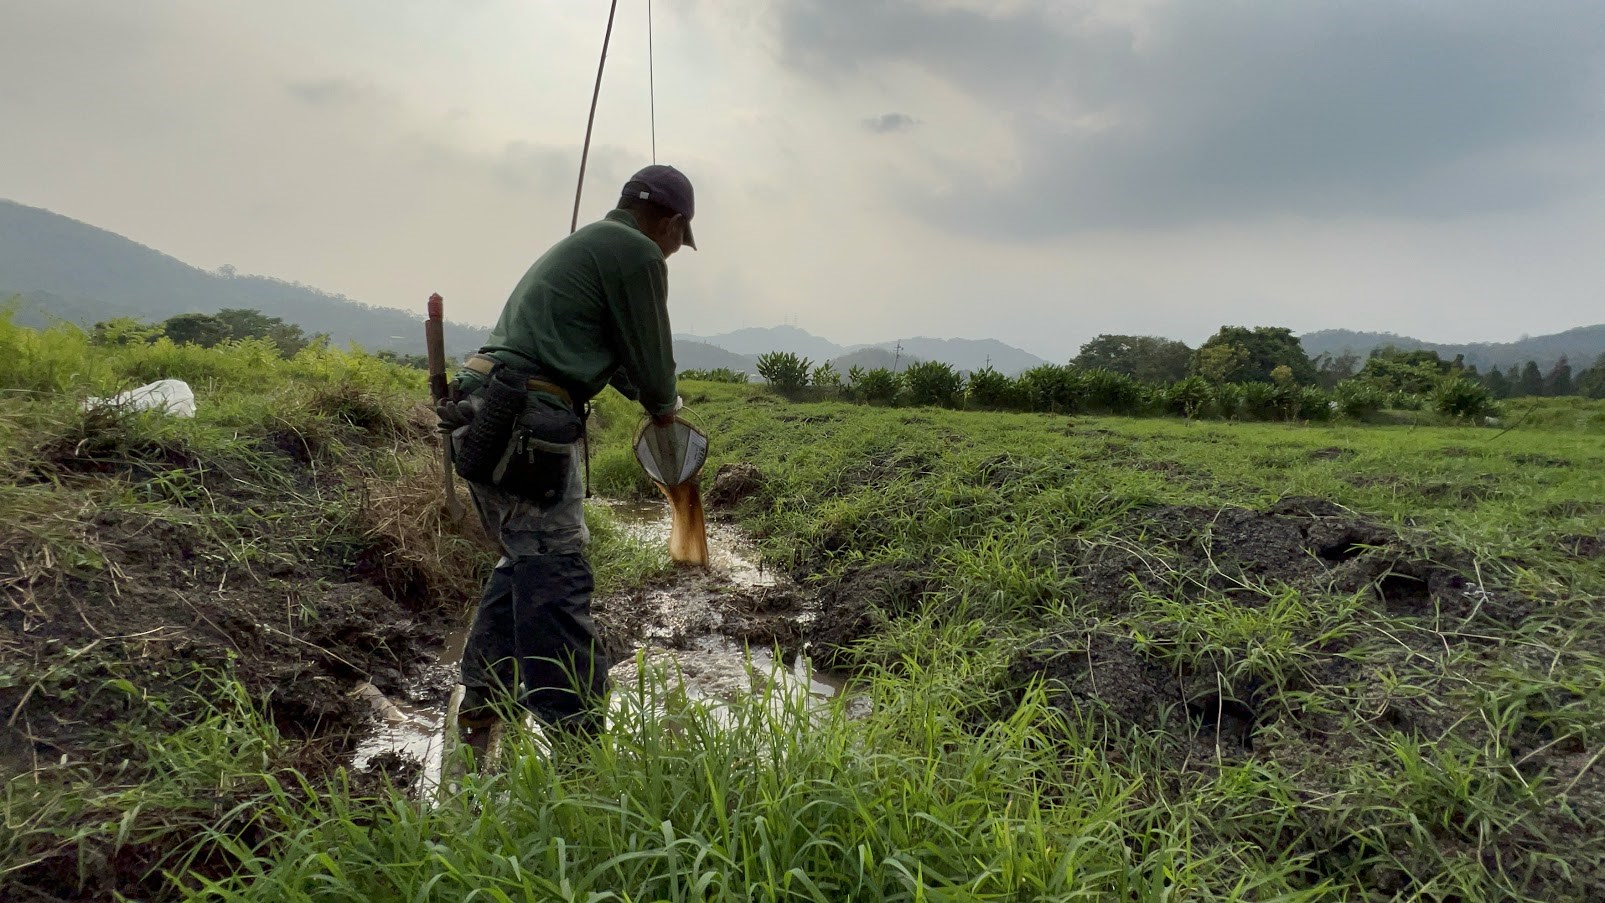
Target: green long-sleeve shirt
(594,304)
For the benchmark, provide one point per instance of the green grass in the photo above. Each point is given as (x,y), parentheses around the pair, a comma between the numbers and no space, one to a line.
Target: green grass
(964,784)
(776,803)
(141,552)
(1360,705)
(1051,706)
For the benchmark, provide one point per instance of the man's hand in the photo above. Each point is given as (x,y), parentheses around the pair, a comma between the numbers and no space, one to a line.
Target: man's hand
(668,418)
(454,414)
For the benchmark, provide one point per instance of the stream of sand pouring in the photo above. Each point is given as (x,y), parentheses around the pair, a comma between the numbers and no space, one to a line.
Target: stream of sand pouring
(688,529)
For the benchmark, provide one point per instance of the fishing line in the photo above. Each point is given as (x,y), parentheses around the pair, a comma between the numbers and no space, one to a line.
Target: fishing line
(596,93)
(585,149)
(651,82)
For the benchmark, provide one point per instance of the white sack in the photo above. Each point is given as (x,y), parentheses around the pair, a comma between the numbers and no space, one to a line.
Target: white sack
(169,396)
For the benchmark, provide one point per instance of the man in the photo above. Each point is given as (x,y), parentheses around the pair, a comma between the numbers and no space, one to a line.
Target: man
(592,310)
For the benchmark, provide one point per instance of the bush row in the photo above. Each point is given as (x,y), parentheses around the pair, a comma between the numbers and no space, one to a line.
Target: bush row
(1064,389)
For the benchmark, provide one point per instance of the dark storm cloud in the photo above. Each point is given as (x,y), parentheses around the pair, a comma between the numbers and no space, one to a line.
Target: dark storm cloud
(890,122)
(1227,110)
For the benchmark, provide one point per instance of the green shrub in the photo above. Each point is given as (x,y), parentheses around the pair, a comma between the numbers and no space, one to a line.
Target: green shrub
(1111,393)
(1228,399)
(121,331)
(933,383)
(1359,400)
(57,359)
(878,386)
(1263,401)
(784,370)
(253,365)
(1188,397)
(1405,401)
(826,377)
(1312,404)
(1051,387)
(716,375)
(988,388)
(1463,399)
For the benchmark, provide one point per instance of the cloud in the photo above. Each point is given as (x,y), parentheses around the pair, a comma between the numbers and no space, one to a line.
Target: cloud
(1186,113)
(890,122)
(328,92)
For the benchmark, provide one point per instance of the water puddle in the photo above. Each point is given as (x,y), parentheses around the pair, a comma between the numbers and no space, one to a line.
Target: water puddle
(681,631)
(414,730)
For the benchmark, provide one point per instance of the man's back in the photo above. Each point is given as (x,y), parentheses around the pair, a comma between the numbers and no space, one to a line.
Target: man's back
(594,302)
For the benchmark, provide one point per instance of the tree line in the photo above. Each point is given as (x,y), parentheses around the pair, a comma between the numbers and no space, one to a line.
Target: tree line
(231,324)
(1413,370)
(1251,372)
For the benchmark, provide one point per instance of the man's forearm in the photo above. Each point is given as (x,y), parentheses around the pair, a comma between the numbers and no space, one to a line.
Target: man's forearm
(648,340)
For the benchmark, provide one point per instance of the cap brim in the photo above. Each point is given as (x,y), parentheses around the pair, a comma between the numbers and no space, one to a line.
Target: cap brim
(689,241)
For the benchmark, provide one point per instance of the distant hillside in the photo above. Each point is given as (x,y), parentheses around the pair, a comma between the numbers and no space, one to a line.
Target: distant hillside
(870,359)
(964,354)
(757,340)
(62,269)
(1580,346)
(68,270)
(689,355)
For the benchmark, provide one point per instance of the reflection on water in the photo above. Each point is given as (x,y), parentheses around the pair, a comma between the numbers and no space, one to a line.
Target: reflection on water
(419,734)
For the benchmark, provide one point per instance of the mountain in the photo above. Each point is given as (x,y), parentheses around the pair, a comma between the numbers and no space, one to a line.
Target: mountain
(964,354)
(67,270)
(1580,346)
(61,269)
(870,359)
(689,355)
(756,340)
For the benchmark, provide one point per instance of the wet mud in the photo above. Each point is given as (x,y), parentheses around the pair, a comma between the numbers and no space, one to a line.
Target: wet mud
(1242,558)
(1405,661)
(183,582)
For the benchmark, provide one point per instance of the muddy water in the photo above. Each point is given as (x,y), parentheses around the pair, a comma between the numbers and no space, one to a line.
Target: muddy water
(415,729)
(680,628)
(731,556)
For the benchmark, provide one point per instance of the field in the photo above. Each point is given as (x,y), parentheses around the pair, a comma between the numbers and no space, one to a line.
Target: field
(1102,657)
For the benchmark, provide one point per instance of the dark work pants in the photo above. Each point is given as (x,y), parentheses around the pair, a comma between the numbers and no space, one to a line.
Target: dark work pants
(533,641)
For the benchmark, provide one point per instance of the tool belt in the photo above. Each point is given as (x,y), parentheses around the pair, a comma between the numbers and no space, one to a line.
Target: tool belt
(518,441)
(485,365)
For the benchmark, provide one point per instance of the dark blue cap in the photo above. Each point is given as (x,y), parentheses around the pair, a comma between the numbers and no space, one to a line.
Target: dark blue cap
(667,187)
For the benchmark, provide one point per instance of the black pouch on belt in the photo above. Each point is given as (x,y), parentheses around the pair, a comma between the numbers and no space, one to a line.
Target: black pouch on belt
(540,458)
(485,440)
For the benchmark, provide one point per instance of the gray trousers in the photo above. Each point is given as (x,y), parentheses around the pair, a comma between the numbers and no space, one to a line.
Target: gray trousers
(533,642)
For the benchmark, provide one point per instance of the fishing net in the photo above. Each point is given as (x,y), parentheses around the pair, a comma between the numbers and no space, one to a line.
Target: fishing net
(673,455)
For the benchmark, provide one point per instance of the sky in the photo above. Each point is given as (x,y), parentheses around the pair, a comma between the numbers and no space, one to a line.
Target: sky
(1036,171)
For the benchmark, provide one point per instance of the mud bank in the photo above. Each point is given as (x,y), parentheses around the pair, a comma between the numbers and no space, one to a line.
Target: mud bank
(1307,637)
(153,582)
